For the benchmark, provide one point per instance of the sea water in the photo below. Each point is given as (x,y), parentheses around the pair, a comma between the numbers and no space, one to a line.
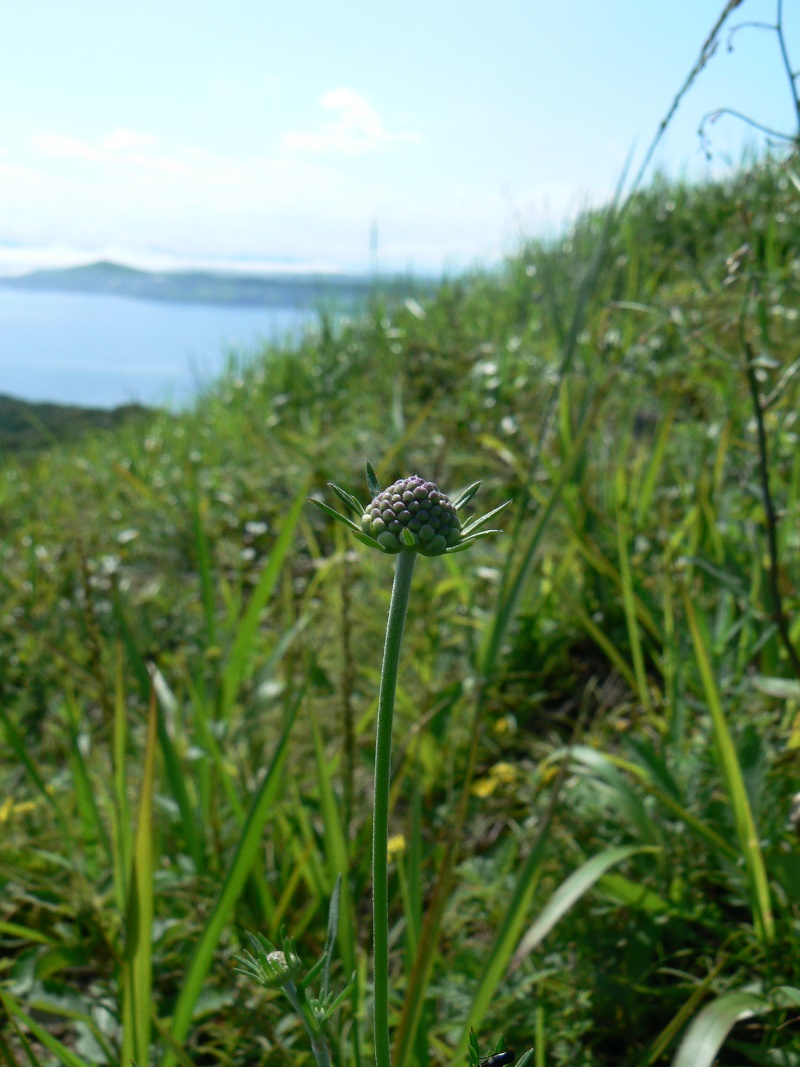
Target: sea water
(100,351)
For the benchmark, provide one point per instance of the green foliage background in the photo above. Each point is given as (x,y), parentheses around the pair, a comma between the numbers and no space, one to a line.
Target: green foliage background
(566,690)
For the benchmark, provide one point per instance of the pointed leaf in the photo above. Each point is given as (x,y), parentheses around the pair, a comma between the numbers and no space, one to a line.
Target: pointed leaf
(245,857)
(370,542)
(407,537)
(330,940)
(462,546)
(331,513)
(52,1044)
(373,484)
(467,495)
(476,523)
(348,500)
(568,893)
(707,1033)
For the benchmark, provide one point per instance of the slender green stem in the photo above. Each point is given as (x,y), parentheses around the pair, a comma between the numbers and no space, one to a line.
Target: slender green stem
(380,823)
(319,1046)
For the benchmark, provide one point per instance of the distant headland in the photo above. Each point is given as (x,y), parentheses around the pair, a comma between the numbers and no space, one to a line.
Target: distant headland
(212,287)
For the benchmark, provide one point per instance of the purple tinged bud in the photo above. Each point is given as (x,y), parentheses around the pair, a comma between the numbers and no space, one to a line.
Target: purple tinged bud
(413,515)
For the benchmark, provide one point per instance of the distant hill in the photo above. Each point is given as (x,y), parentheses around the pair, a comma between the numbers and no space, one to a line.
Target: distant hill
(26,426)
(210,287)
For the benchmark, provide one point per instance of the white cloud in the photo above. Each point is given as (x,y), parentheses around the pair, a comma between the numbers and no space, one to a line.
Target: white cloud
(356,128)
(130,195)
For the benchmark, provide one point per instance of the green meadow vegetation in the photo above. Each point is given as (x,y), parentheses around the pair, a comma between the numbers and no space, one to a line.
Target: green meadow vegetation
(594,816)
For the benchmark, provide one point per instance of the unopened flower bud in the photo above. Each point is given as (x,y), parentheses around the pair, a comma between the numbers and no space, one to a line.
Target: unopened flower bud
(412,514)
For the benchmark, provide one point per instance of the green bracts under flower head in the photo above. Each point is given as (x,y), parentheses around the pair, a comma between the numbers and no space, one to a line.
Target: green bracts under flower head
(412,515)
(416,507)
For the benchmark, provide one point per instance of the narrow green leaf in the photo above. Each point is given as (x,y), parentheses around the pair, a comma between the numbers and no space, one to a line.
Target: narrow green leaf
(330,938)
(515,583)
(645,494)
(245,856)
(507,937)
(627,802)
(734,782)
(466,496)
(373,484)
(121,824)
(27,933)
(52,1044)
(176,775)
(628,596)
(477,523)
(20,750)
(137,995)
(706,1034)
(334,514)
(8,1055)
(697,826)
(370,542)
(350,501)
(568,893)
(336,853)
(203,551)
(244,641)
(85,799)
(632,895)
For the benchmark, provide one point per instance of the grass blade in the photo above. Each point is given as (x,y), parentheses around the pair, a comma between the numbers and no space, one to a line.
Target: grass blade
(734,782)
(335,846)
(121,814)
(244,641)
(628,597)
(245,856)
(137,995)
(52,1044)
(569,893)
(202,548)
(706,1034)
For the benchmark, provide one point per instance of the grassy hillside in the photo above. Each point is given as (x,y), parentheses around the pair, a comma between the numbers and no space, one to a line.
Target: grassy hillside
(25,426)
(610,688)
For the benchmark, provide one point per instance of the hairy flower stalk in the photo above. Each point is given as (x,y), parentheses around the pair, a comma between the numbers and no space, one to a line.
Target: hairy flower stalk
(410,517)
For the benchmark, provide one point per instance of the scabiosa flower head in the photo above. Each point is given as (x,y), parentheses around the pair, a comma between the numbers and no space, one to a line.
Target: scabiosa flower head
(411,515)
(415,506)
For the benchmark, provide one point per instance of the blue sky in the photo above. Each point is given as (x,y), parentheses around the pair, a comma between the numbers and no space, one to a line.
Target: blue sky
(252,132)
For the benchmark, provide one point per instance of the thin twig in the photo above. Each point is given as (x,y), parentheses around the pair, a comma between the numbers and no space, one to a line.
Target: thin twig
(713,116)
(710,46)
(787,65)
